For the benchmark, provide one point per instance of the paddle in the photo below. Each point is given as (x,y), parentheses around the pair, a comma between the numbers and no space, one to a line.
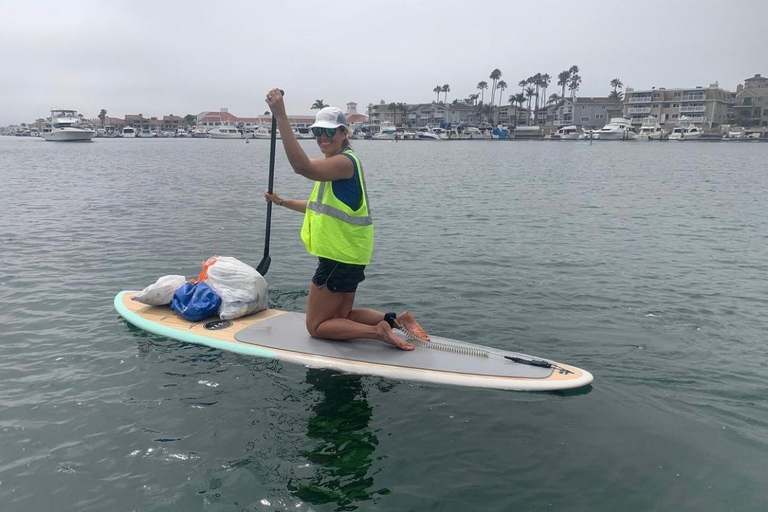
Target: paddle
(266,260)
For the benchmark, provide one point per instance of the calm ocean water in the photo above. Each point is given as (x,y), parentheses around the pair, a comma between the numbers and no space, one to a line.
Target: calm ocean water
(644,263)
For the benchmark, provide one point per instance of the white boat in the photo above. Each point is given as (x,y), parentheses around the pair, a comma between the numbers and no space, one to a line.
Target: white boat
(566,133)
(302,133)
(651,129)
(145,133)
(618,129)
(685,130)
(67,126)
(590,135)
(473,132)
(427,134)
(224,131)
(181,132)
(386,131)
(199,133)
(129,132)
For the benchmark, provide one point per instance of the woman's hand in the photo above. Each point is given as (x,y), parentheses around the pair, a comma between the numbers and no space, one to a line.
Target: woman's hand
(275,102)
(273,198)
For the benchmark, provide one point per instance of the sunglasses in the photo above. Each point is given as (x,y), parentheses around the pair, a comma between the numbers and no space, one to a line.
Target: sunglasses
(329,132)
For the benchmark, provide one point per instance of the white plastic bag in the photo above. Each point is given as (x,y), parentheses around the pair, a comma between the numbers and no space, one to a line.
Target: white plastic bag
(242,289)
(160,293)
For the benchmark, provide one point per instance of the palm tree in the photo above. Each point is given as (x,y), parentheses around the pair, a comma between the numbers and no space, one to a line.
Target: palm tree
(103,116)
(545,81)
(495,75)
(473,98)
(437,90)
(573,84)
(616,95)
(616,84)
(482,86)
(522,84)
(446,89)
(530,92)
(502,86)
(318,104)
(518,98)
(553,98)
(562,80)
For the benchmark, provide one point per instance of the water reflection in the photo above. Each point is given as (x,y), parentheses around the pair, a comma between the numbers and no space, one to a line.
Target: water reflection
(344,444)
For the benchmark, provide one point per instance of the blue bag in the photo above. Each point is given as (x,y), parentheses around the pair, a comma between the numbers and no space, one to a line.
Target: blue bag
(195,302)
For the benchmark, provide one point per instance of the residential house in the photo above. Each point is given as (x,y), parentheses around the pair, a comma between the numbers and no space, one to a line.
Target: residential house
(462,113)
(703,106)
(589,113)
(425,115)
(750,106)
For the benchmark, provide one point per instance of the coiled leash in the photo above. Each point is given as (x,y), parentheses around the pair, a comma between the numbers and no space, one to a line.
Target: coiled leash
(391,319)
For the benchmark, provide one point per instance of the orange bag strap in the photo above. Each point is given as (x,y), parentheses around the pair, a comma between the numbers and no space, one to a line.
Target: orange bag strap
(204,273)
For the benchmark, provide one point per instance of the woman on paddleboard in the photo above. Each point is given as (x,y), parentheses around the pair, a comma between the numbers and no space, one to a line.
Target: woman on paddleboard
(338,229)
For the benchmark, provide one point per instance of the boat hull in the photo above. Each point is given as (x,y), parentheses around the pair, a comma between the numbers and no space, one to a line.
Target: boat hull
(69,135)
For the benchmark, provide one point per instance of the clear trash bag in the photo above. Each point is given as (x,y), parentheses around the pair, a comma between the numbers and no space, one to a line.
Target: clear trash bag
(160,293)
(242,289)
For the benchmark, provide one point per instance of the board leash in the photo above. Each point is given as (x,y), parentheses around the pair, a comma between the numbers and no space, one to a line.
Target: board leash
(477,352)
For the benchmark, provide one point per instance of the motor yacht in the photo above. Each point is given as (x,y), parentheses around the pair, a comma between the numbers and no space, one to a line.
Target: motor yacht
(618,129)
(146,133)
(651,129)
(386,131)
(67,126)
(566,133)
(427,134)
(199,133)
(685,130)
(224,131)
(129,132)
(181,132)
(302,133)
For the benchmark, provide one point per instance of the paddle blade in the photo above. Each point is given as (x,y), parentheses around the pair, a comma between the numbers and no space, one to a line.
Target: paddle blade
(264,265)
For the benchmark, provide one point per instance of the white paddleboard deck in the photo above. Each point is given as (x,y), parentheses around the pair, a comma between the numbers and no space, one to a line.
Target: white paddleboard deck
(283,335)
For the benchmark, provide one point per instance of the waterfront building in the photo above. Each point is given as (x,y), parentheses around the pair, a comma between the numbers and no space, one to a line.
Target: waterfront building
(589,113)
(462,113)
(353,116)
(750,106)
(510,115)
(425,115)
(384,112)
(211,119)
(702,106)
(171,123)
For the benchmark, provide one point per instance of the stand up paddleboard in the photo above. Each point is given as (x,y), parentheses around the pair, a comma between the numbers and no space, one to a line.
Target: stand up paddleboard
(283,335)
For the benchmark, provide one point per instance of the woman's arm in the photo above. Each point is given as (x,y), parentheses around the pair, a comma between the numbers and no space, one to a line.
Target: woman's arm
(297,205)
(317,169)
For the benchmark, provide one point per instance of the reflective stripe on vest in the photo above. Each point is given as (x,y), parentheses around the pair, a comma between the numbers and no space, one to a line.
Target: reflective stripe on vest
(326,209)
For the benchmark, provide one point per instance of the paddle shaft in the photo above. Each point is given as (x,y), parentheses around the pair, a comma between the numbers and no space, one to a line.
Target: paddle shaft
(266,260)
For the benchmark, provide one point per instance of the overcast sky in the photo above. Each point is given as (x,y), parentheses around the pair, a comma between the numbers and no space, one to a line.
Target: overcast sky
(181,57)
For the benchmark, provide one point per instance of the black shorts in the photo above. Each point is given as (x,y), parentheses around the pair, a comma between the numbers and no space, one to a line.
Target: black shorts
(338,277)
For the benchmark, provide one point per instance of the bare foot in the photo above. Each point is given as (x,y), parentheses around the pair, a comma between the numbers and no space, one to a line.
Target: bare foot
(387,336)
(406,321)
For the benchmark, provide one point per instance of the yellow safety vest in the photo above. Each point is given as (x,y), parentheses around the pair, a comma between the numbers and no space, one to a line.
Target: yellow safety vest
(332,229)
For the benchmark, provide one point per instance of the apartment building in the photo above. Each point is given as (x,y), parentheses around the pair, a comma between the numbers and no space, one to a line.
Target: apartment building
(704,106)
(750,106)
